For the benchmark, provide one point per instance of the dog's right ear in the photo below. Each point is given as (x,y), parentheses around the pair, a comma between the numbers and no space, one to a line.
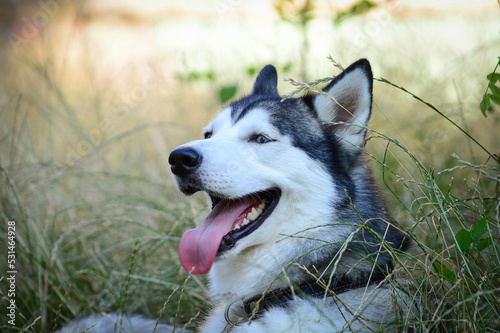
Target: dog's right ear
(266,82)
(349,101)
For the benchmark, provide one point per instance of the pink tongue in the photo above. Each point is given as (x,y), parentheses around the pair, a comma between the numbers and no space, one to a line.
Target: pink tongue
(198,247)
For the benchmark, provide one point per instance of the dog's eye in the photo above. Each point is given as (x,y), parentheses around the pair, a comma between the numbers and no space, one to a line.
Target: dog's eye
(260,138)
(207,135)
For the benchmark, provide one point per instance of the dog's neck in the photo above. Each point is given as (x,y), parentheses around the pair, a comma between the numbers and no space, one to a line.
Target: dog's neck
(258,305)
(300,283)
(244,284)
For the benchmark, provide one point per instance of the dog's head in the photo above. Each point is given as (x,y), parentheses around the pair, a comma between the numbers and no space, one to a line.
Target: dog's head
(274,169)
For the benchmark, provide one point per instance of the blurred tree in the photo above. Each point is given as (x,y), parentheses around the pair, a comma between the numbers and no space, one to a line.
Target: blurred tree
(358,8)
(300,13)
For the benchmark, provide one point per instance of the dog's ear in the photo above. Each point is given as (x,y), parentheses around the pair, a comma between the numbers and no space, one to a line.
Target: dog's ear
(350,101)
(266,82)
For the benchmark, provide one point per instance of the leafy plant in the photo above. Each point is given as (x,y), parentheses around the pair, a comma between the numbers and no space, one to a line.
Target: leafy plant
(494,95)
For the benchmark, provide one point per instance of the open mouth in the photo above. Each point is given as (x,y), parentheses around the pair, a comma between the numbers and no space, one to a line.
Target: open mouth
(229,221)
(261,206)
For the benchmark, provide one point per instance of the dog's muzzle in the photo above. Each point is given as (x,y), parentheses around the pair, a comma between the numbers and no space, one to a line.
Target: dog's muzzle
(184,161)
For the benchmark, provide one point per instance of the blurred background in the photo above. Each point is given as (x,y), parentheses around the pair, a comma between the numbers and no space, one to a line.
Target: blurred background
(105,67)
(94,95)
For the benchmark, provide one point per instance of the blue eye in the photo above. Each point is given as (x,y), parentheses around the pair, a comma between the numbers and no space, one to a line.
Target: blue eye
(260,138)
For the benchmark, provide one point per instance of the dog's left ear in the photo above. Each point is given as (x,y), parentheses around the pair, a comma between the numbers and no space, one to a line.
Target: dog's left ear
(266,82)
(350,102)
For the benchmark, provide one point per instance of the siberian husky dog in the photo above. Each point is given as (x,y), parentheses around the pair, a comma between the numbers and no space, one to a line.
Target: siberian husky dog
(298,239)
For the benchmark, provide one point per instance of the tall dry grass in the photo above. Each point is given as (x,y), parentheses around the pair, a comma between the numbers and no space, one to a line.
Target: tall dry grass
(84,143)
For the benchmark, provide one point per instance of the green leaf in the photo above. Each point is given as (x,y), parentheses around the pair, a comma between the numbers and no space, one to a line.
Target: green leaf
(445,272)
(493,77)
(494,89)
(251,70)
(287,67)
(195,76)
(484,243)
(479,229)
(463,239)
(494,99)
(227,92)
(485,104)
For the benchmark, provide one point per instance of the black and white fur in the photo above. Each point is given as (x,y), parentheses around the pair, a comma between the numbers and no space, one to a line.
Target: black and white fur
(323,217)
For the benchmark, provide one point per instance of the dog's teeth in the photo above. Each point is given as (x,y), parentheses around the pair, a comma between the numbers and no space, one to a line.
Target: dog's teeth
(253,214)
(250,216)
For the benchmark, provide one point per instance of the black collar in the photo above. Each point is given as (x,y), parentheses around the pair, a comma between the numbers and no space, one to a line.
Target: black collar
(256,306)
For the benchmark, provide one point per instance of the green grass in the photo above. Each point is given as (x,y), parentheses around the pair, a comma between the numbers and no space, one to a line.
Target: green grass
(83,173)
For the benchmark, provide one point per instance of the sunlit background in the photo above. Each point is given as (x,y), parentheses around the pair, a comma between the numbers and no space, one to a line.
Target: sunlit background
(95,94)
(124,63)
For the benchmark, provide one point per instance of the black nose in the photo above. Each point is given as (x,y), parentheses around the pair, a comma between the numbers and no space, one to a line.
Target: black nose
(183,161)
